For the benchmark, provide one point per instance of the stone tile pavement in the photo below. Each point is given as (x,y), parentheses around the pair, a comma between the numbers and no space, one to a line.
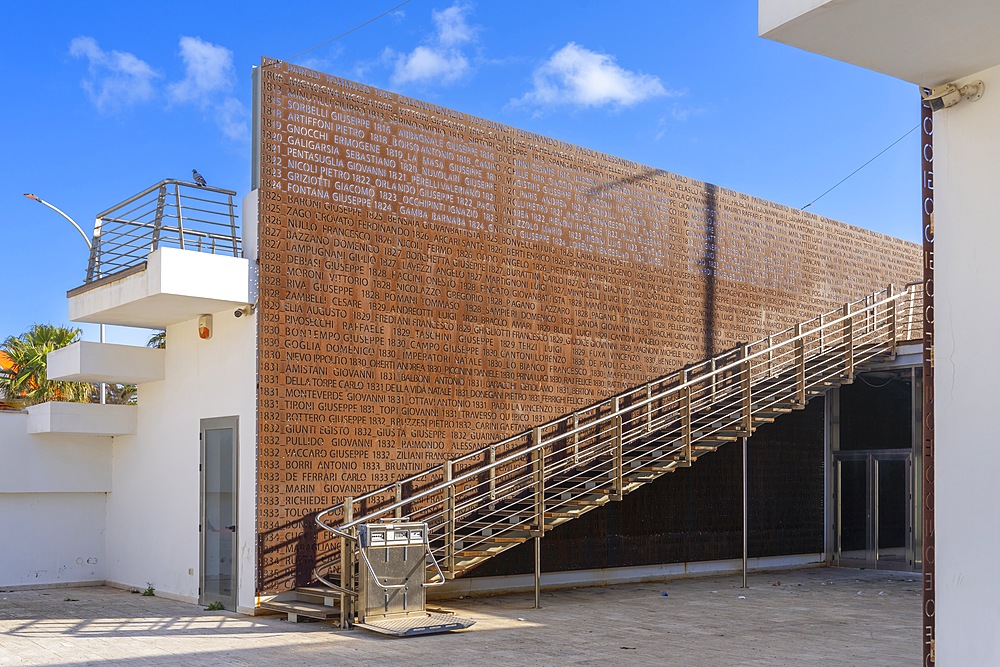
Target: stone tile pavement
(819,616)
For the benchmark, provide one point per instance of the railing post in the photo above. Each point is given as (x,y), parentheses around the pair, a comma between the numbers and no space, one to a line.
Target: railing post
(618,457)
(232,228)
(746,426)
(449,520)
(715,368)
(649,407)
(346,569)
(770,356)
(800,362)
(161,200)
(686,422)
(576,438)
(849,343)
(399,499)
(822,333)
(493,472)
(180,215)
(539,467)
(892,317)
(911,309)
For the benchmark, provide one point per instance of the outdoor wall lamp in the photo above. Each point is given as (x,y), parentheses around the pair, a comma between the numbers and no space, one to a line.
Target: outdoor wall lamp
(950,94)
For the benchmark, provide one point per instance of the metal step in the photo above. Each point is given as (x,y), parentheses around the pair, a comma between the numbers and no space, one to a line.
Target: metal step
(296,609)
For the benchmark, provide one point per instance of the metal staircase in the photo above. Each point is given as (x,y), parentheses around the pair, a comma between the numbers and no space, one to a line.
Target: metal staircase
(490,500)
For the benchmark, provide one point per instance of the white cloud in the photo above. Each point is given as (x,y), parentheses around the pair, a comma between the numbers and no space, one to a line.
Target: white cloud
(208,76)
(441,59)
(578,76)
(452,28)
(208,70)
(425,64)
(233,118)
(116,79)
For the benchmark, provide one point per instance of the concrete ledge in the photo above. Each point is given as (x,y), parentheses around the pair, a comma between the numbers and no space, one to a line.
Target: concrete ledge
(85,361)
(176,286)
(616,575)
(926,42)
(82,419)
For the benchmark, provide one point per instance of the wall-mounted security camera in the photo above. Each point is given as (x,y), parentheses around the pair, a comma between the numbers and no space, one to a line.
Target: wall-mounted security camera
(245,310)
(950,94)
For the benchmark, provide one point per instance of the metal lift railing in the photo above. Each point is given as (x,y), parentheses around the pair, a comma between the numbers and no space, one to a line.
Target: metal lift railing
(489,500)
(174,214)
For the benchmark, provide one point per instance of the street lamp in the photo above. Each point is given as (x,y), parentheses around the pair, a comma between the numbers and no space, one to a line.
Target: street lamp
(90,247)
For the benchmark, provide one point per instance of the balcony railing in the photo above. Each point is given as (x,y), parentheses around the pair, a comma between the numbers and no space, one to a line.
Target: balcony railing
(170,214)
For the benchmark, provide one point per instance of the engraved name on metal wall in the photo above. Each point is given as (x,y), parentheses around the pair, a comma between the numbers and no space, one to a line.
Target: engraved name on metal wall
(431,282)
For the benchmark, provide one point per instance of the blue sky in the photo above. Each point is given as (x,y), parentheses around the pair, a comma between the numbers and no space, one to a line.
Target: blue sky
(105,99)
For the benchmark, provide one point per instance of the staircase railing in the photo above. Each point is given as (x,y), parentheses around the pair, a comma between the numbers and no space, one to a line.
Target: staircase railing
(486,501)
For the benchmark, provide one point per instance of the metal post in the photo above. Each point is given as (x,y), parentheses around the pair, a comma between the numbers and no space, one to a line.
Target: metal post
(161,200)
(104,387)
(232,227)
(770,356)
(686,425)
(747,422)
(714,377)
(745,512)
(576,438)
(892,317)
(90,247)
(399,499)
(449,531)
(493,472)
(346,568)
(618,454)
(538,572)
(180,215)
(539,508)
(849,342)
(800,375)
(649,407)
(539,470)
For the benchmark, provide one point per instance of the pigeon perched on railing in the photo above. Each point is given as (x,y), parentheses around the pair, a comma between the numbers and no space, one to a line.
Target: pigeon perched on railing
(198,178)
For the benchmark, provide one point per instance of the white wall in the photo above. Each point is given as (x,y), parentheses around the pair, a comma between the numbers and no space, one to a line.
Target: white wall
(967,369)
(153,513)
(53,491)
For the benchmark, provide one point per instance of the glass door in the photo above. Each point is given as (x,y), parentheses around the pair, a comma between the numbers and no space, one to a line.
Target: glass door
(218,512)
(874,509)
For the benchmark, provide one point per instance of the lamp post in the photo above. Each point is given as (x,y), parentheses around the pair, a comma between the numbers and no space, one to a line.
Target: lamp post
(90,247)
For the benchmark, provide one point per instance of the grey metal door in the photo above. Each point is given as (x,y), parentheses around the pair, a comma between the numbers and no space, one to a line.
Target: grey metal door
(218,511)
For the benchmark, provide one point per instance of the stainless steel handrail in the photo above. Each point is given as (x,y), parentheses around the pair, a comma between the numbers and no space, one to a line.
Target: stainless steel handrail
(718,399)
(171,213)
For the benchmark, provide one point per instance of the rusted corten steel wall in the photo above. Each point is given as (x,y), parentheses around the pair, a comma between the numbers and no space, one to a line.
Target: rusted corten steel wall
(431,282)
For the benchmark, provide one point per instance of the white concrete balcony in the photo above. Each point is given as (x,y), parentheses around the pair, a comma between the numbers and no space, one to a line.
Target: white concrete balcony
(82,419)
(85,361)
(165,255)
(172,286)
(912,40)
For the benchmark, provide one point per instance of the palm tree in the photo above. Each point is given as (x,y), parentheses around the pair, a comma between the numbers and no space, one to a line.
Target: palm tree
(157,339)
(23,375)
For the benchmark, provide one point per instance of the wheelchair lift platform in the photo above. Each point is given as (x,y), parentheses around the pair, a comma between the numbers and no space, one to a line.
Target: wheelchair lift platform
(393,581)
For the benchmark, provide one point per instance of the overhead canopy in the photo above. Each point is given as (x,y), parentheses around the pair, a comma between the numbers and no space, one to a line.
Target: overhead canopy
(926,42)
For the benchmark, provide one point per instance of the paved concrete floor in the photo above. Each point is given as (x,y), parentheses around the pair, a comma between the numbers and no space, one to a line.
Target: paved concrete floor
(803,617)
